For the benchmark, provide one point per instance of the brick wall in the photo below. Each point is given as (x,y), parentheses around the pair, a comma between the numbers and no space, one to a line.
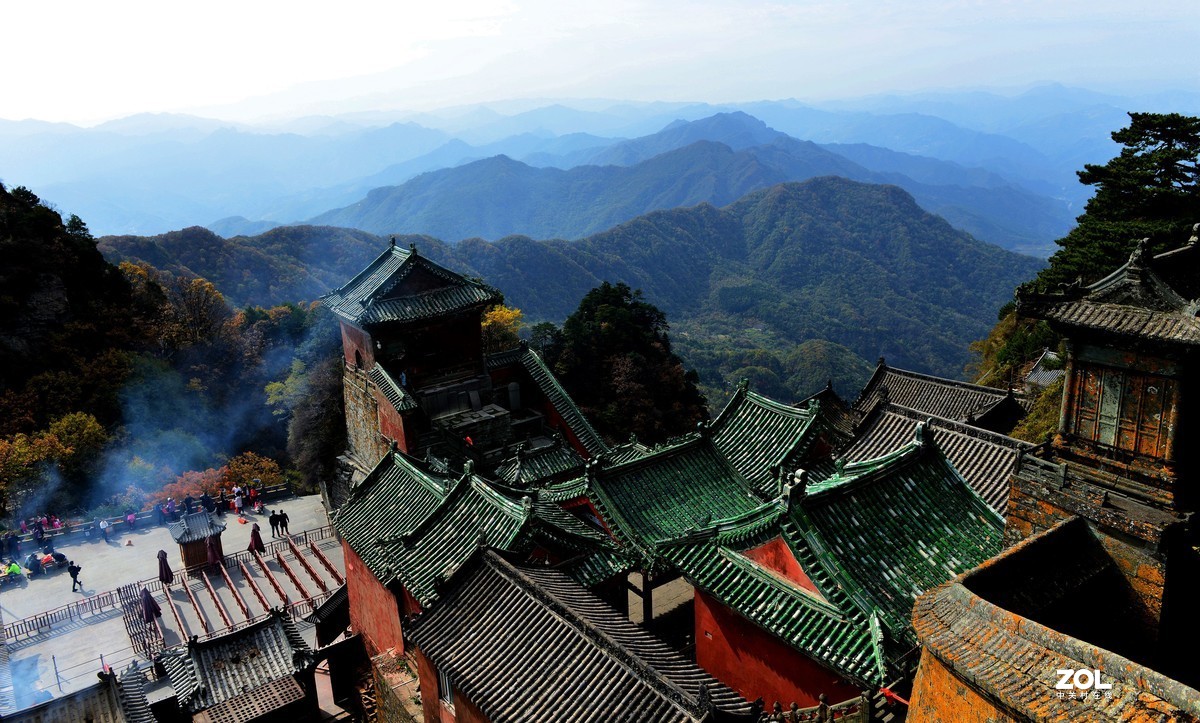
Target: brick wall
(757,664)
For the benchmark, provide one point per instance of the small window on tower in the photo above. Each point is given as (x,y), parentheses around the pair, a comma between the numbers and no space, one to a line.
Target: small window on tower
(445,690)
(357,359)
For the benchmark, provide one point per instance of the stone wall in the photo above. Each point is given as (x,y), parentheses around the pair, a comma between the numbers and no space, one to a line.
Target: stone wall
(939,696)
(363,439)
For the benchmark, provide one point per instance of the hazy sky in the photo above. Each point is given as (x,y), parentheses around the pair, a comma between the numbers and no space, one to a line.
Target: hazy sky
(90,61)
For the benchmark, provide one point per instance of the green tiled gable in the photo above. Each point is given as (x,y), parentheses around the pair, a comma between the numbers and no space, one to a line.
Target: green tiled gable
(411,523)
(393,499)
(757,435)
(530,468)
(828,628)
(562,403)
(671,491)
(369,297)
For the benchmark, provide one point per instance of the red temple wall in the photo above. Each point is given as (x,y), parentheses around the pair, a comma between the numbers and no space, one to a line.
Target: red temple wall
(357,340)
(373,609)
(391,424)
(431,704)
(776,555)
(757,664)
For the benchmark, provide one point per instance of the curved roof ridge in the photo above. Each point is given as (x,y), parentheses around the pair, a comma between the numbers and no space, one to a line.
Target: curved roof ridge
(870,469)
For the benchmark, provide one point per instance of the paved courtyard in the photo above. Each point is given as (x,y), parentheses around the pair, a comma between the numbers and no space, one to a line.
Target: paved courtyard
(47,660)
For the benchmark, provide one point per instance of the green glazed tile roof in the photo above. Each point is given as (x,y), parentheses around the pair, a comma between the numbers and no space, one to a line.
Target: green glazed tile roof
(530,468)
(829,628)
(411,524)
(563,404)
(395,497)
(597,567)
(396,395)
(667,493)
(892,528)
(757,435)
(472,514)
(373,296)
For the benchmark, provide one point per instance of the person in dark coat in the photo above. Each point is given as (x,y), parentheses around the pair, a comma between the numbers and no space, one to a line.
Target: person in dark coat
(274,520)
(150,608)
(74,570)
(164,569)
(187,504)
(222,503)
(206,501)
(256,543)
(283,522)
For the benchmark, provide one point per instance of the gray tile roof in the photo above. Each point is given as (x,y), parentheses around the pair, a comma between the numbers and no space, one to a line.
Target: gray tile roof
(378,293)
(396,395)
(195,527)
(212,671)
(525,643)
(984,459)
(940,397)
(1146,298)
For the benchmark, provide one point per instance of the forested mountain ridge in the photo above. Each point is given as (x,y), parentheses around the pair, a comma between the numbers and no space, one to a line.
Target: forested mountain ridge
(857,265)
(681,166)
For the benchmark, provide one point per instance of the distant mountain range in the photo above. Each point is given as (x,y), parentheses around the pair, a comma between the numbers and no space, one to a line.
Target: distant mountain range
(859,266)
(155,172)
(715,160)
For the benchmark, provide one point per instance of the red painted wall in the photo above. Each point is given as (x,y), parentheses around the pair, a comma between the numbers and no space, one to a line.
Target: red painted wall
(355,339)
(776,555)
(431,703)
(757,664)
(373,609)
(391,424)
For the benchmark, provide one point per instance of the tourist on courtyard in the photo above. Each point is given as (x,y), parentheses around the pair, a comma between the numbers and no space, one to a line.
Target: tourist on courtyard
(74,570)
(221,504)
(14,568)
(130,517)
(150,608)
(283,523)
(256,542)
(171,509)
(103,527)
(274,520)
(187,504)
(165,575)
(238,502)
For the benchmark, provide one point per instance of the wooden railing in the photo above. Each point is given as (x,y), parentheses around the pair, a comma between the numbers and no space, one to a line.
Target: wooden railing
(855,710)
(109,600)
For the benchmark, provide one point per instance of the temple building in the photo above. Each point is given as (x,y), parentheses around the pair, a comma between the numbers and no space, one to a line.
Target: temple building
(1102,573)
(793,539)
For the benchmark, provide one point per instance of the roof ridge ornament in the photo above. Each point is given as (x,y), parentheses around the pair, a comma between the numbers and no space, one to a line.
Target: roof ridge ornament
(412,248)
(1135,256)
(1195,238)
